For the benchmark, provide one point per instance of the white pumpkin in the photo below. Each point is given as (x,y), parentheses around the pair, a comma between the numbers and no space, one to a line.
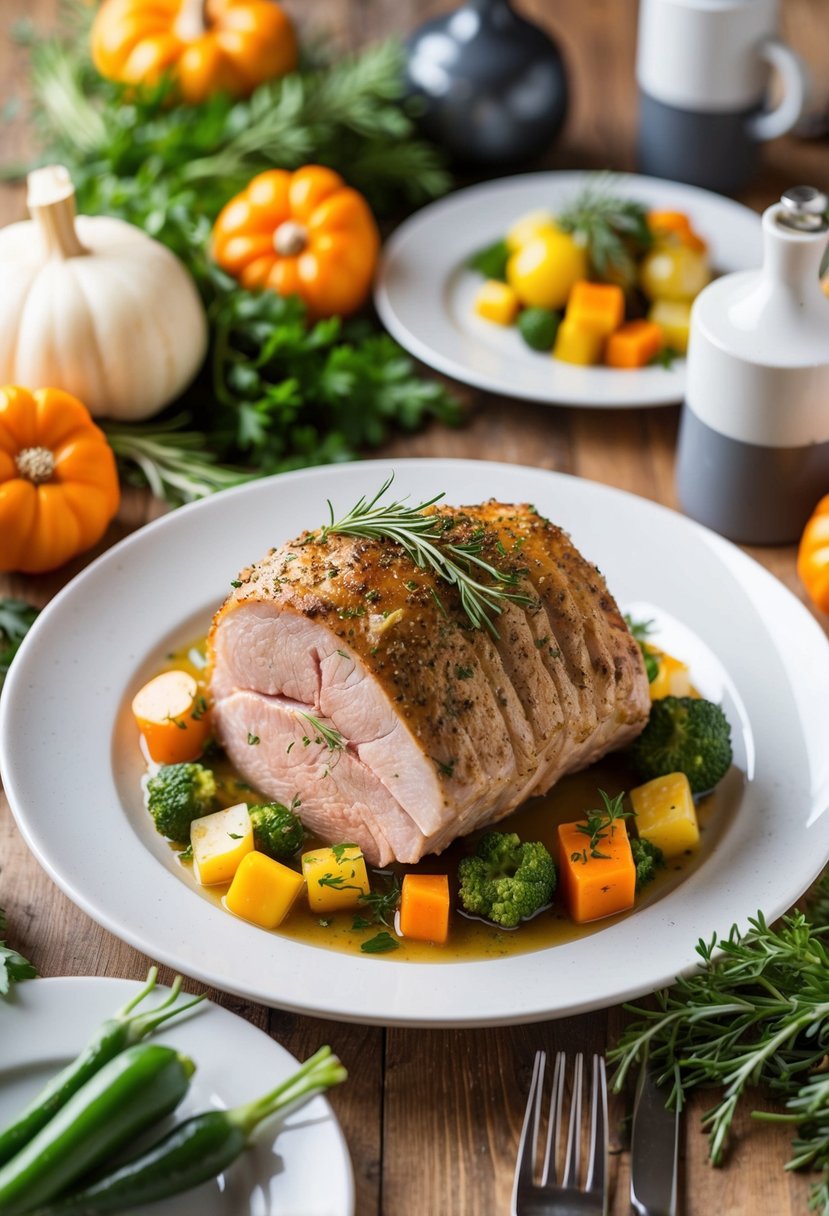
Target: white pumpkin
(94,306)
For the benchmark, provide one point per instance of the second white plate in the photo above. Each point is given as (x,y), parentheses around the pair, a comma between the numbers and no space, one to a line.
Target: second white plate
(425,292)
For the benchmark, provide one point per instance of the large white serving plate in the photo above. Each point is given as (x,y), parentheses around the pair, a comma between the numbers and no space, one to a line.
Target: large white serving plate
(301,1168)
(425,292)
(69,754)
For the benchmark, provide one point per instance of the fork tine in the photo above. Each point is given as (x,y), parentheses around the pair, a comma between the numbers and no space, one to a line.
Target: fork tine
(554,1123)
(528,1143)
(597,1162)
(573,1159)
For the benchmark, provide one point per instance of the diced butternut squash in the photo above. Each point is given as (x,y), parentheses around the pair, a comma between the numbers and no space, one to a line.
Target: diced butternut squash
(336,877)
(634,344)
(575,344)
(665,814)
(674,319)
(673,678)
(592,886)
(171,713)
(220,841)
(424,907)
(598,307)
(263,890)
(496,301)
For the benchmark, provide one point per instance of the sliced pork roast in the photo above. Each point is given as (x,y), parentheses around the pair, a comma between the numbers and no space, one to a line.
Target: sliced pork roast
(347,678)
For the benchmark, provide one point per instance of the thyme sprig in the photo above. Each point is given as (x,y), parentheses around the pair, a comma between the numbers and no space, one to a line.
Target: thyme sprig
(756,1013)
(599,823)
(422,538)
(328,736)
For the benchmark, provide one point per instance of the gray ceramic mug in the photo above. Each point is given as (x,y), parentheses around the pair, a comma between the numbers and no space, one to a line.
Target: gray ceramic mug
(703,69)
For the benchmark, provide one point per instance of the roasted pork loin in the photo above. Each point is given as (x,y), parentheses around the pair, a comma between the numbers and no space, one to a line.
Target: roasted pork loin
(350,680)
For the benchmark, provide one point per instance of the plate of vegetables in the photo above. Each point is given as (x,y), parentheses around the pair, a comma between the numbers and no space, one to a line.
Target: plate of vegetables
(171,1089)
(314,922)
(567,288)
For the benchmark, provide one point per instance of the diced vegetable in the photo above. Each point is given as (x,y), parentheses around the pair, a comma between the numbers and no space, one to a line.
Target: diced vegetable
(528,227)
(665,814)
(673,679)
(424,907)
(634,344)
(496,301)
(597,307)
(336,877)
(172,715)
(600,880)
(674,226)
(674,319)
(263,890)
(674,273)
(813,555)
(575,344)
(219,842)
(543,271)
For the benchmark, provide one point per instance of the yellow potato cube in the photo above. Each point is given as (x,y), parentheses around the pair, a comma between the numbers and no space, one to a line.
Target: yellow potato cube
(219,843)
(263,890)
(336,877)
(674,319)
(673,678)
(665,814)
(575,343)
(496,301)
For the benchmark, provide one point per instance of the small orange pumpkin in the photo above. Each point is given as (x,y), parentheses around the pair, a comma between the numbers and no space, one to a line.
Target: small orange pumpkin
(813,556)
(217,46)
(305,233)
(58,480)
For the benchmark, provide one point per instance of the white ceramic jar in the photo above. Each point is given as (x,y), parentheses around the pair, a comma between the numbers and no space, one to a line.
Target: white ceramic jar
(753,456)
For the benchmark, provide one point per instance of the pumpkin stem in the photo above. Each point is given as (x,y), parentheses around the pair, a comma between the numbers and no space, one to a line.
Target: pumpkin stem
(290,239)
(190,23)
(51,203)
(35,464)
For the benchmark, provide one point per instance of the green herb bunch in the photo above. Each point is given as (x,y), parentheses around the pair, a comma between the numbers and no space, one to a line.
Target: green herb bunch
(615,230)
(16,619)
(756,1013)
(277,392)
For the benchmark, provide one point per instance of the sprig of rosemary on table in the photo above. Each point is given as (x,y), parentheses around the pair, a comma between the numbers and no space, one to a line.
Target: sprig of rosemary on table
(756,1013)
(423,540)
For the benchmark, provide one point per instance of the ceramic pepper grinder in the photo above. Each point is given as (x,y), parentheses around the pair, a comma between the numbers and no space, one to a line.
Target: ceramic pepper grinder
(492,84)
(753,454)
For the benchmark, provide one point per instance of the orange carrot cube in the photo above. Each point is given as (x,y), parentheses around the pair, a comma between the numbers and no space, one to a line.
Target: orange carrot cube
(596,886)
(598,307)
(424,907)
(634,344)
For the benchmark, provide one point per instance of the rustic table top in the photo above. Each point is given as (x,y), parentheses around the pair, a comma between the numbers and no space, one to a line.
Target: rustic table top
(439,1139)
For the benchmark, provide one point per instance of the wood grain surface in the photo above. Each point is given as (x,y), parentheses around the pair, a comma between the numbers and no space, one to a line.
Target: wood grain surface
(432,1117)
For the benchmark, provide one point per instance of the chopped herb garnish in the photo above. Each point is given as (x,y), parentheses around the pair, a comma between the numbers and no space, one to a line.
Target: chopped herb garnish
(253,739)
(464,673)
(186,854)
(200,710)
(380,943)
(325,922)
(236,582)
(327,735)
(339,851)
(235,835)
(343,654)
(445,768)
(641,631)
(599,823)
(381,905)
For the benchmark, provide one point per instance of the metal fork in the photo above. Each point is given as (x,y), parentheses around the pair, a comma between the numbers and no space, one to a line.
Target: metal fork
(554,1194)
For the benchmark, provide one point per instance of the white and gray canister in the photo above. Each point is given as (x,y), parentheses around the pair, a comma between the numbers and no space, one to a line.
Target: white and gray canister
(753,454)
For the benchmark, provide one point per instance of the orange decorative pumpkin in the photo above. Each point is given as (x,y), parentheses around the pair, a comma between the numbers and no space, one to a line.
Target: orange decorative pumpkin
(209,46)
(58,481)
(813,556)
(305,233)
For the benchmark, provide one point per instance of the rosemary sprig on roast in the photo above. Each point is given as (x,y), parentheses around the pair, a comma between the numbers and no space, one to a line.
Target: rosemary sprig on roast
(423,539)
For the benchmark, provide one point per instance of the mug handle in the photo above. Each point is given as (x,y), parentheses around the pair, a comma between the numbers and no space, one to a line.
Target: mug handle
(792,70)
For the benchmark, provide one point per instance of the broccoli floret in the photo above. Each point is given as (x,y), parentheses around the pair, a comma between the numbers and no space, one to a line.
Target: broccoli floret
(506,880)
(647,858)
(685,735)
(178,794)
(277,831)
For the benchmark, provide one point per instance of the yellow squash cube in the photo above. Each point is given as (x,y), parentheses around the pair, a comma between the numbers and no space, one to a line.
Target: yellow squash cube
(673,678)
(336,877)
(263,890)
(577,344)
(219,843)
(496,301)
(665,814)
(674,319)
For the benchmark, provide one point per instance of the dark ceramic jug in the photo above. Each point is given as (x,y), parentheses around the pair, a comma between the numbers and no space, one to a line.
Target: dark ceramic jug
(492,84)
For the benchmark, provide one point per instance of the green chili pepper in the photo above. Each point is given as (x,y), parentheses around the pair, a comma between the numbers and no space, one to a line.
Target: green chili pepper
(117,1033)
(131,1092)
(198,1149)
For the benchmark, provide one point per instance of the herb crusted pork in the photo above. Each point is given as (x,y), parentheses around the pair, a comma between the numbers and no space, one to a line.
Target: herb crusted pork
(346,677)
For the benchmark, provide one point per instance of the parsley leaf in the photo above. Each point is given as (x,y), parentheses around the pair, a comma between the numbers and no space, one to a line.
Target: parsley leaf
(380,943)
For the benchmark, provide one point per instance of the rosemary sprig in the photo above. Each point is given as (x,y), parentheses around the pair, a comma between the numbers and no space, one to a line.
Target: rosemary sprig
(422,539)
(177,465)
(614,229)
(327,735)
(597,824)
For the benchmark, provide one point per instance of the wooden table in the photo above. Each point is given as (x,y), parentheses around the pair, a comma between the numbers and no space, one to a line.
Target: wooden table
(432,1117)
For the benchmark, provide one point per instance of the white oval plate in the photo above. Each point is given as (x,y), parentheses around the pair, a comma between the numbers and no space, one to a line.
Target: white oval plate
(304,1169)
(425,293)
(70,759)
